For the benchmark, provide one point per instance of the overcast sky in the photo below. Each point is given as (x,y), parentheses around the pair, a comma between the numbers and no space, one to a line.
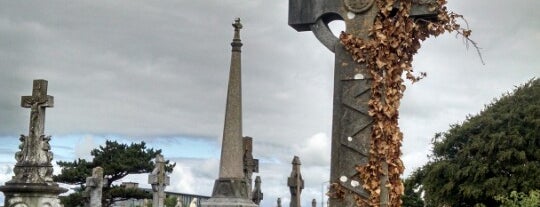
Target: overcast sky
(157,71)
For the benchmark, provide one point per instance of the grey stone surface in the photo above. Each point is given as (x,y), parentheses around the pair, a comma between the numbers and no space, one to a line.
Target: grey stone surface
(32,184)
(250,165)
(159,180)
(231,188)
(295,183)
(257,195)
(351,124)
(94,188)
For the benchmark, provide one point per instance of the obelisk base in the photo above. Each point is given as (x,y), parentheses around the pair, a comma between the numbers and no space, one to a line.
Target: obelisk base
(229,192)
(30,194)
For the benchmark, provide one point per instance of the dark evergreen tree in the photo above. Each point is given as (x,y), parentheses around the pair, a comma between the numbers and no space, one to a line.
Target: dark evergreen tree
(117,160)
(489,154)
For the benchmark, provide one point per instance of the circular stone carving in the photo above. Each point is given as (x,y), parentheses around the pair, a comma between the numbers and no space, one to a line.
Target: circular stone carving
(358,6)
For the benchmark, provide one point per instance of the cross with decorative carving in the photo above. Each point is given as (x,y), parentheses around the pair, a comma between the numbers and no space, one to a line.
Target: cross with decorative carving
(37,104)
(351,124)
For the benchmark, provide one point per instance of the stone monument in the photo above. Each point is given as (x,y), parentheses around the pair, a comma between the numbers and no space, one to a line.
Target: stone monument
(250,165)
(278,202)
(158,179)
(295,182)
(32,184)
(231,188)
(314,203)
(351,124)
(257,195)
(94,188)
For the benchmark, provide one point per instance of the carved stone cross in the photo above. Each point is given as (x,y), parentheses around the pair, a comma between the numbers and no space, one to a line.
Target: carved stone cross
(351,124)
(37,104)
(94,188)
(159,180)
(295,182)
(250,165)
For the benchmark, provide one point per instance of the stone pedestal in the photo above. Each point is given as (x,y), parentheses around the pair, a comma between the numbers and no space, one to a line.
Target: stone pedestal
(30,195)
(230,192)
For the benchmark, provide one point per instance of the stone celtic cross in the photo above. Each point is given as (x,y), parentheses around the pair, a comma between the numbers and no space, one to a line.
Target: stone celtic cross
(351,124)
(159,180)
(295,183)
(250,165)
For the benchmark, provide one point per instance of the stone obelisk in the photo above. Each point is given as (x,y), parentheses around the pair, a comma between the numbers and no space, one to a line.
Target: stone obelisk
(231,188)
(32,184)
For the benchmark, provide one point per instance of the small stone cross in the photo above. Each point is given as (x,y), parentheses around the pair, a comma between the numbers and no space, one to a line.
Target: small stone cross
(314,203)
(94,188)
(295,183)
(250,165)
(159,180)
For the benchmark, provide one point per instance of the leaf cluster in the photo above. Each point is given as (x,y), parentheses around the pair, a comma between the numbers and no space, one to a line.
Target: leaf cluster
(488,155)
(388,55)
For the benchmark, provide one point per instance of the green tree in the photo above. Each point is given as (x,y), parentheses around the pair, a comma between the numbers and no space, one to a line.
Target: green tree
(489,154)
(520,199)
(117,160)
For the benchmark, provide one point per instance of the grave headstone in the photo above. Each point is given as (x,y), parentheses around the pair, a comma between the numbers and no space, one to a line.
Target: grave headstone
(32,184)
(250,165)
(257,195)
(159,180)
(295,183)
(94,188)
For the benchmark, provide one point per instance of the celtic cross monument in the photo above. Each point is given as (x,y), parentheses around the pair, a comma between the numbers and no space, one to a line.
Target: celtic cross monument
(351,124)
(32,185)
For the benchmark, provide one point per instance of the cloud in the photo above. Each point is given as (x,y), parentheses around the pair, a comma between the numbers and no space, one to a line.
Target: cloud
(84,147)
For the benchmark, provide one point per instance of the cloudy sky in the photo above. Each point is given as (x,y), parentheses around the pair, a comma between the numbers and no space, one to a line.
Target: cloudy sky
(157,71)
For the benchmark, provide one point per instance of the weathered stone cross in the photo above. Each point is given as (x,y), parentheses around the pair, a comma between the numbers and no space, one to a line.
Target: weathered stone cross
(250,165)
(94,188)
(351,125)
(158,179)
(37,104)
(295,183)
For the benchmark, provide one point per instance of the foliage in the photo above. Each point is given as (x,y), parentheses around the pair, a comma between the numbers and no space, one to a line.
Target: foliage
(489,154)
(117,160)
(170,201)
(388,54)
(520,199)
(412,196)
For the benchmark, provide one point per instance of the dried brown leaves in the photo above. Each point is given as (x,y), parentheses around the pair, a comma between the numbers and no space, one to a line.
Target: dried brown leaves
(395,38)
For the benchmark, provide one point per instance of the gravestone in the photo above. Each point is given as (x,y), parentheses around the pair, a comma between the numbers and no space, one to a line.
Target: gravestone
(295,183)
(159,180)
(351,123)
(231,188)
(179,202)
(32,184)
(250,165)
(94,188)
(257,195)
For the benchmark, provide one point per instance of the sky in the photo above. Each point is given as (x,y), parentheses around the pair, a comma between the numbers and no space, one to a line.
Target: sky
(157,71)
